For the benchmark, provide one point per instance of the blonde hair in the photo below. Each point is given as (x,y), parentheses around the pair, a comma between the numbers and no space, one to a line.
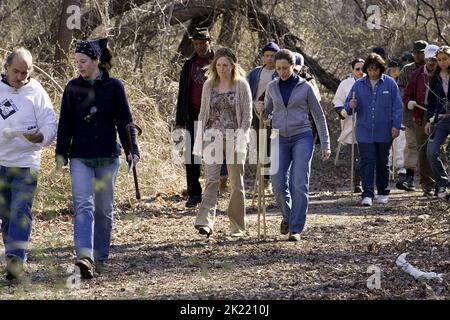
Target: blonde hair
(236,74)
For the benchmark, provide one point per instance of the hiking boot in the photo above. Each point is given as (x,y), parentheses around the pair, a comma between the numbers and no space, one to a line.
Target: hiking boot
(294,236)
(284,227)
(223,185)
(366,201)
(14,267)
(86,268)
(193,201)
(357,189)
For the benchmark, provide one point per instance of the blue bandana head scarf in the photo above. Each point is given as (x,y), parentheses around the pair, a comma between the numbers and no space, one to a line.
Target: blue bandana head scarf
(92,48)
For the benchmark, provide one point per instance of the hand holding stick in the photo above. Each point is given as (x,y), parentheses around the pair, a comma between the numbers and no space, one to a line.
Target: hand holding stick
(139,130)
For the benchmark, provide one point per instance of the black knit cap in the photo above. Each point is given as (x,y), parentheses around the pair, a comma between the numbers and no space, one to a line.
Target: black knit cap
(92,48)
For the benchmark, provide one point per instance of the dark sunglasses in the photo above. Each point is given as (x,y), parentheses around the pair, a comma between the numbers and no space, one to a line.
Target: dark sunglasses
(91,114)
(358,69)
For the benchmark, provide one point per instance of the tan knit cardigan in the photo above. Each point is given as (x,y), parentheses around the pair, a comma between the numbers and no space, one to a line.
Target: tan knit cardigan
(243,103)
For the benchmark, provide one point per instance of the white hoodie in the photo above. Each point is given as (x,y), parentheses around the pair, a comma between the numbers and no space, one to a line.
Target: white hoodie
(24,110)
(339,99)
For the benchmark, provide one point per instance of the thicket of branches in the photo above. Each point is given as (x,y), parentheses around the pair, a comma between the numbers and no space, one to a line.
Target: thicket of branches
(150,42)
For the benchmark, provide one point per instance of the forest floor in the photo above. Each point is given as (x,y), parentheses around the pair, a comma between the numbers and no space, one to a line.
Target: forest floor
(157,254)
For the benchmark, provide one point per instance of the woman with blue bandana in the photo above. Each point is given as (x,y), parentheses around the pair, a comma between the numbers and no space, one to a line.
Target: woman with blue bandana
(94,110)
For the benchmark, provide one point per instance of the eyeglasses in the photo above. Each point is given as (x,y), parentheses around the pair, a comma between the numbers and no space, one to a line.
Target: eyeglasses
(358,69)
(91,114)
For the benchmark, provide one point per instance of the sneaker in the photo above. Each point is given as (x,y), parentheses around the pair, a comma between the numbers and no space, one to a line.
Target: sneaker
(284,227)
(237,234)
(86,268)
(400,181)
(223,186)
(193,201)
(409,183)
(442,193)
(205,230)
(294,236)
(382,199)
(366,201)
(428,193)
(14,267)
(100,266)
(357,189)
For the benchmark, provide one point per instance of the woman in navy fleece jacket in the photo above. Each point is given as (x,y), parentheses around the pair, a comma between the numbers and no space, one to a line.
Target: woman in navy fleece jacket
(94,110)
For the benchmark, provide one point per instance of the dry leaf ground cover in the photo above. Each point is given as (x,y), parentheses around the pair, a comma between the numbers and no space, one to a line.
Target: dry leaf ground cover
(157,254)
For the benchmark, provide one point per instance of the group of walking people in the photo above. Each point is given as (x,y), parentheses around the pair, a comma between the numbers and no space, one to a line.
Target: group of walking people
(231,104)
(94,110)
(218,105)
(412,98)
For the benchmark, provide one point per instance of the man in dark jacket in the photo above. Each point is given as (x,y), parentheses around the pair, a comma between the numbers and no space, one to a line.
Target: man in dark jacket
(406,182)
(189,101)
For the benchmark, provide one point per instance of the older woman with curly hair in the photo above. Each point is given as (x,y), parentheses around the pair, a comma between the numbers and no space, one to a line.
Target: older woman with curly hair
(376,100)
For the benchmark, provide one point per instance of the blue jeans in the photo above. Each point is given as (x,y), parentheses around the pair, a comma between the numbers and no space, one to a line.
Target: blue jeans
(437,138)
(374,157)
(93,200)
(17,190)
(291,183)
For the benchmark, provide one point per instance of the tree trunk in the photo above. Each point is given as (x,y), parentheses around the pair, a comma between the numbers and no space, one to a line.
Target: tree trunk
(65,34)
(229,35)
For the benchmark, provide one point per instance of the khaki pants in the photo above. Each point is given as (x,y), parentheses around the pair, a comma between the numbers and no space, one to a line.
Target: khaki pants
(426,174)
(236,208)
(411,154)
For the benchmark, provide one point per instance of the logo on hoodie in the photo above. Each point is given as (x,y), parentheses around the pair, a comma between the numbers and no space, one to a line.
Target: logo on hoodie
(7,108)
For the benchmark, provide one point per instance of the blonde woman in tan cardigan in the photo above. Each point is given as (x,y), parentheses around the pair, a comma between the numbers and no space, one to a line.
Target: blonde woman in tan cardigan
(225,115)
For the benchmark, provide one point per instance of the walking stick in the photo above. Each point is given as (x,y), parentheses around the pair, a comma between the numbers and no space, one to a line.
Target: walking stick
(337,153)
(139,132)
(260,177)
(352,169)
(393,158)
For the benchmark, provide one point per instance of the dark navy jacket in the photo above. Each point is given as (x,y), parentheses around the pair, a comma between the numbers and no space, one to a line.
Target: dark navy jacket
(83,134)
(437,99)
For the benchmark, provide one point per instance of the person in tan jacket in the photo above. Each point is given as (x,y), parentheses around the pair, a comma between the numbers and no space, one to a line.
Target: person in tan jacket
(223,132)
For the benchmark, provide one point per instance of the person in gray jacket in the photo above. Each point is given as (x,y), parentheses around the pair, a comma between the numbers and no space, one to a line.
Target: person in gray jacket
(289,99)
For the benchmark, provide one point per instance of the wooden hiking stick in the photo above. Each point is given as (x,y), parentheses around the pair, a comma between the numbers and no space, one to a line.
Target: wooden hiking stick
(139,132)
(393,158)
(260,177)
(352,166)
(420,107)
(336,159)
(259,181)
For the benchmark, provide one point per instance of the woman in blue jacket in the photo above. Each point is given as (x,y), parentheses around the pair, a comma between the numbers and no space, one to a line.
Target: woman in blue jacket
(94,110)
(376,100)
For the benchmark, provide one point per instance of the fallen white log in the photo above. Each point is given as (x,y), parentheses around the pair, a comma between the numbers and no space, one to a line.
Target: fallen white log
(416,273)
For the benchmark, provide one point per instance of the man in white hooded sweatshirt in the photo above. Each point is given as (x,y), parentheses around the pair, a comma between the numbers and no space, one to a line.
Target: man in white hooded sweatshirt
(27,124)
